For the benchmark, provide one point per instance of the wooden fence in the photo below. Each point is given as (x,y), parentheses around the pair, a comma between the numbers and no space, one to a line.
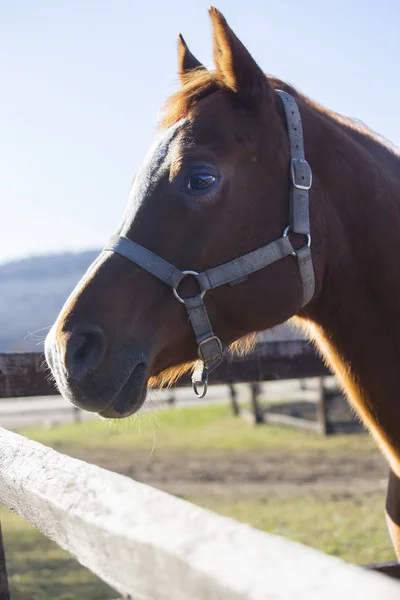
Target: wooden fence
(153,546)
(23,375)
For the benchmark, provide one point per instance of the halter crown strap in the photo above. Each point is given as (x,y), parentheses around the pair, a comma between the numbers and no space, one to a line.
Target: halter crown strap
(210,348)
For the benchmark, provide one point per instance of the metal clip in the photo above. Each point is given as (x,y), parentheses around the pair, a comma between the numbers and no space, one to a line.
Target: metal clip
(200,378)
(203,391)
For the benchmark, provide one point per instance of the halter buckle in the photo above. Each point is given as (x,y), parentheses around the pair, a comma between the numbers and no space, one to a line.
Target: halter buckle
(301,173)
(210,350)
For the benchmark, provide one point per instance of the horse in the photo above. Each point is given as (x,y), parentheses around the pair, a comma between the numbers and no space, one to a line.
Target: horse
(215,187)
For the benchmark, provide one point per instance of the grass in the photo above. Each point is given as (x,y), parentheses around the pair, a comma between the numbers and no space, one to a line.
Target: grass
(196,428)
(39,570)
(349,525)
(352,528)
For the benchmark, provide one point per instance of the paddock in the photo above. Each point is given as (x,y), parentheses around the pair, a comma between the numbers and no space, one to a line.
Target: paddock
(148,544)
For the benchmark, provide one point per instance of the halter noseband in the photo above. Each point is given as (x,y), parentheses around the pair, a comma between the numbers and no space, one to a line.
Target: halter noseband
(210,350)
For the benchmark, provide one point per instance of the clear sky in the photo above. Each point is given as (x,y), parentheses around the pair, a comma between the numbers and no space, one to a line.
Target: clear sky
(82,82)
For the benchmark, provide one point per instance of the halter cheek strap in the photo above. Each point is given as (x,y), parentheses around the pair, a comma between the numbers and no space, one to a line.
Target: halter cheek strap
(210,350)
(301,180)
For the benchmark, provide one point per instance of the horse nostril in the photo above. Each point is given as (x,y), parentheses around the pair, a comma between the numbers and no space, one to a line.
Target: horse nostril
(85,350)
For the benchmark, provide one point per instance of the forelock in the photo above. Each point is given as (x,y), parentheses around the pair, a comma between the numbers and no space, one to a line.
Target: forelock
(198,84)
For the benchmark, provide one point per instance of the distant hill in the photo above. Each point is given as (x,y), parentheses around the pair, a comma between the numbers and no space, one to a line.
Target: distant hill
(32,292)
(34,289)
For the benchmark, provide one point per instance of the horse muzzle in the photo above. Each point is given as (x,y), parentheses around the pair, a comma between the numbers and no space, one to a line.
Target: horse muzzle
(94,376)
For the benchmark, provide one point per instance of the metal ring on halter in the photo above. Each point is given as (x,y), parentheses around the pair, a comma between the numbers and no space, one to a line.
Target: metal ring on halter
(308,236)
(179,298)
(203,392)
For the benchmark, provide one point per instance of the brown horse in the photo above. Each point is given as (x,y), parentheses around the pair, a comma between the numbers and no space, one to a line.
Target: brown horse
(215,186)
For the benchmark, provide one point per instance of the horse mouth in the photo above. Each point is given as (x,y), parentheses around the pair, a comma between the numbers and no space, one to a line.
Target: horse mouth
(131,396)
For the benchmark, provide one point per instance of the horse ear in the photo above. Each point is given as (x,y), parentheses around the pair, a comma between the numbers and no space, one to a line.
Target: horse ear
(234,64)
(186,61)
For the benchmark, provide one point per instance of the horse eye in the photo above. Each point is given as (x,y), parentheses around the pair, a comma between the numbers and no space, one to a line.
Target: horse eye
(200,182)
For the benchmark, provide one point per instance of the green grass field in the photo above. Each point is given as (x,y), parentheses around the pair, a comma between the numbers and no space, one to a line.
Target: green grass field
(346,519)
(210,427)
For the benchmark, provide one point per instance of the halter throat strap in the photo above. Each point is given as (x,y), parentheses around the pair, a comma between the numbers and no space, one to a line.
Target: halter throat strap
(210,349)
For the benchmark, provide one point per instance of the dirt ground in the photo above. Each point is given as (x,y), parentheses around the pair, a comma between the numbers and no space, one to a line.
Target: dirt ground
(252,472)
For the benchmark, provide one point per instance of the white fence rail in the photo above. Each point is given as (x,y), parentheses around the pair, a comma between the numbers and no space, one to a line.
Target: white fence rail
(151,545)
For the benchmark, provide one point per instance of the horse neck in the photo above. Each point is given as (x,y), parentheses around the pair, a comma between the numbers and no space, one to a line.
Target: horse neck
(355,317)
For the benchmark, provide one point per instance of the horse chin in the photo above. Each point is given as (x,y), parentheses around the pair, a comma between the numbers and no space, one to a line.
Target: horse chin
(131,396)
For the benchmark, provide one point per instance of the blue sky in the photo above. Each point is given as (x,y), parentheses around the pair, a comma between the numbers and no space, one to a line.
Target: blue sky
(82,83)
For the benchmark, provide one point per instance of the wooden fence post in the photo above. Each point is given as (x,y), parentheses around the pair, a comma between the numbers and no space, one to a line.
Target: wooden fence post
(171,400)
(234,402)
(322,409)
(77,416)
(4,589)
(258,412)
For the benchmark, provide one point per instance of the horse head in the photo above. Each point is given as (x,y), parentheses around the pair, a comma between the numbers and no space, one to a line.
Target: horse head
(214,186)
